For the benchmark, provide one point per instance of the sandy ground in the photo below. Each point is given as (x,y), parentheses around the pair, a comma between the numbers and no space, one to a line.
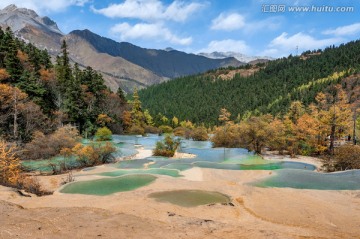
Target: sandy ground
(256,212)
(179,155)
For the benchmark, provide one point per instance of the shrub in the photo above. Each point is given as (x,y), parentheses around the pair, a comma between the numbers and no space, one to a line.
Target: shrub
(306,149)
(103,134)
(32,185)
(136,130)
(179,131)
(104,119)
(253,134)
(166,129)
(105,153)
(347,157)
(151,129)
(70,178)
(46,146)
(166,148)
(90,155)
(199,134)
(227,136)
(182,132)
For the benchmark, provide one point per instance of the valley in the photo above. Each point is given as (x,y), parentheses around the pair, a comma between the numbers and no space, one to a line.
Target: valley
(178,119)
(251,211)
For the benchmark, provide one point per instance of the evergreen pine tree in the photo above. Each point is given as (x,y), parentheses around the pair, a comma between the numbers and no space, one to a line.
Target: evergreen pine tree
(12,62)
(121,94)
(137,114)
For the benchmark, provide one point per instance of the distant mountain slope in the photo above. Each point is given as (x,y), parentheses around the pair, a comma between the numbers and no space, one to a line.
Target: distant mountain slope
(44,33)
(122,64)
(268,89)
(162,62)
(240,57)
(115,70)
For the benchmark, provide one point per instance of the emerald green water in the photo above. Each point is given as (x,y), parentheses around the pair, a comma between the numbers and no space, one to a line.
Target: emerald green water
(301,179)
(262,166)
(108,186)
(159,171)
(44,165)
(190,198)
(132,164)
(179,166)
(289,174)
(122,149)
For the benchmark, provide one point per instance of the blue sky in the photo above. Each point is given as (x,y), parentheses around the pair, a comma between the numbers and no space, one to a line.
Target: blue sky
(252,27)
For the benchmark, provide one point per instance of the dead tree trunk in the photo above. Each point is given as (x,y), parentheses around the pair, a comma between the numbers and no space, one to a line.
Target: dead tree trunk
(15,132)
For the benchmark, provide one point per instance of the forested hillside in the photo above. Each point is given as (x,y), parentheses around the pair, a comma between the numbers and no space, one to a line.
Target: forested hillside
(37,96)
(271,89)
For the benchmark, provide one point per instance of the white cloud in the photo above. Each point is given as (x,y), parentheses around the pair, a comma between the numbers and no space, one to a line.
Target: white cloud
(302,41)
(284,44)
(150,10)
(180,11)
(235,21)
(271,23)
(41,6)
(148,31)
(344,30)
(226,46)
(228,22)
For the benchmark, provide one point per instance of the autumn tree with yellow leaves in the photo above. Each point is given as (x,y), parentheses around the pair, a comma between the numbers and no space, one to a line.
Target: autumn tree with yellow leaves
(302,130)
(334,113)
(90,155)
(9,165)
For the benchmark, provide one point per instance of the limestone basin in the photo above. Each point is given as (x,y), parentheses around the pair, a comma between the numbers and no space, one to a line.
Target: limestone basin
(190,198)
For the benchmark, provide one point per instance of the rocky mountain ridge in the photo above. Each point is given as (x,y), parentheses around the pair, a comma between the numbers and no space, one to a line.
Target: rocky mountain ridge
(121,63)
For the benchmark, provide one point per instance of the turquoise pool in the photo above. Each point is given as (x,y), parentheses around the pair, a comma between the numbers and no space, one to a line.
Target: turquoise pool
(302,179)
(190,198)
(288,174)
(106,186)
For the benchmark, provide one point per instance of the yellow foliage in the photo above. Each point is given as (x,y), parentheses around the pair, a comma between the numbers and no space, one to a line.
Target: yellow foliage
(46,75)
(224,116)
(175,121)
(7,95)
(187,124)
(9,164)
(77,147)
(89,155)
(104,119)
(307,127)
(126,118)
(66,152)
(4,74)
(22,56)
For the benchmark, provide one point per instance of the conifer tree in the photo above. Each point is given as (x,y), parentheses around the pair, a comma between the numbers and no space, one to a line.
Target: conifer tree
(73,97)
(121,94)
(63,69)
(148,118)
(31,85)
(137,114)
(12,62)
